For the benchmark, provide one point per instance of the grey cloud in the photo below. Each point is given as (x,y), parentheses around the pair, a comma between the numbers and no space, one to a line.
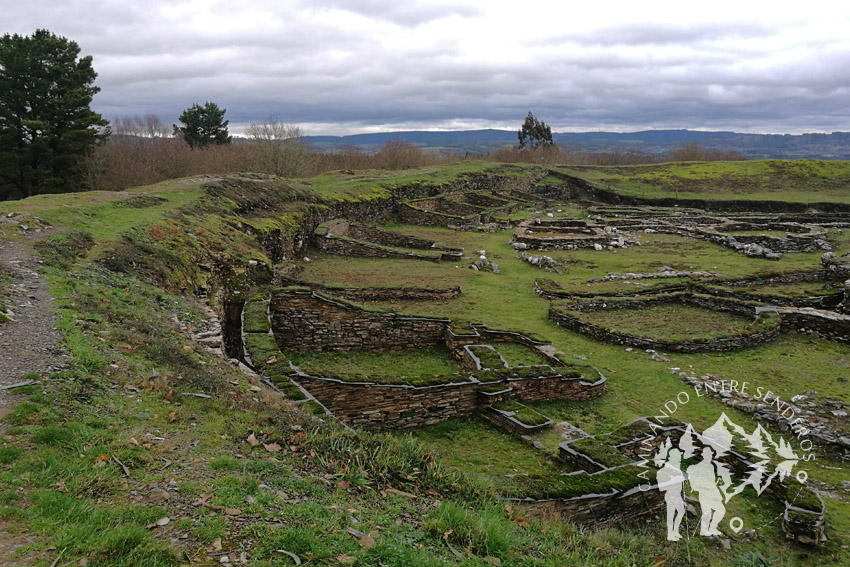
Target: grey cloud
(406,13)
(303,66)
(659,34)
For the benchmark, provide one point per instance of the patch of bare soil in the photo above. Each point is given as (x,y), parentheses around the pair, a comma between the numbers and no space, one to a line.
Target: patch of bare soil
(30,341)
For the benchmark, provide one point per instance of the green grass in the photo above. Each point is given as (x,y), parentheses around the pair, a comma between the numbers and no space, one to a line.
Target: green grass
(597,449)
(486,534)
(522,413)
(120,330)
(637,386)
(434,360)
(804,181)
(255,317)
(792,290)
(610,287)
(519,355)
(483,452)
(377,183)
(667,322)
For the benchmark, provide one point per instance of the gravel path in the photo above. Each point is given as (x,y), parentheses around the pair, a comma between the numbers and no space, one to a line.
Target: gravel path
(29,343)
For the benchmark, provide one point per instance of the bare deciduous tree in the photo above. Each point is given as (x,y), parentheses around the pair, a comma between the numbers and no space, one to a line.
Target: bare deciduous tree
(396,154)
(146,126)
(280,147)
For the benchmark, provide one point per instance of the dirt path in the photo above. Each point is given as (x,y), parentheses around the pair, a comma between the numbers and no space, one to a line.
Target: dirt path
(30,342)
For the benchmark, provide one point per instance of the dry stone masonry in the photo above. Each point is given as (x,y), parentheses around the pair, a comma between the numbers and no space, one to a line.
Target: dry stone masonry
(352,239)
(463,211)
(572,314)
(619,227)
(304,320)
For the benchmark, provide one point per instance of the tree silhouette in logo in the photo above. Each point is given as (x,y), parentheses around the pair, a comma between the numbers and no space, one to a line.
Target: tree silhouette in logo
(711,478)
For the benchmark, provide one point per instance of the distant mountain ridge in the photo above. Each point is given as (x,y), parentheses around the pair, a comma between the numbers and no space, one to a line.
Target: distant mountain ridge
(654,142)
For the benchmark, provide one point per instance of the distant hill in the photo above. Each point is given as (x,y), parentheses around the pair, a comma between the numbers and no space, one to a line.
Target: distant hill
(654,142)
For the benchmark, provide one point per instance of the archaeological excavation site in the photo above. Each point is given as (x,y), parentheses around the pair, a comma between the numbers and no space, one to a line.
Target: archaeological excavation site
(539,345)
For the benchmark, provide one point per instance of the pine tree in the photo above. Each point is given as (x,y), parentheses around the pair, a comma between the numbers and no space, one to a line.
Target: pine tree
(534,133)
(203,126)
(47,127)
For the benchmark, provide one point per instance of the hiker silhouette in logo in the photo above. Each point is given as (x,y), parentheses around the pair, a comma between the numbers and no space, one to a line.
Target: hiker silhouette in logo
(704,481)
(670,481)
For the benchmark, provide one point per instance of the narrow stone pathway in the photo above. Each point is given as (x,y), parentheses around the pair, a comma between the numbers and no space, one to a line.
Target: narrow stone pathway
(30,342)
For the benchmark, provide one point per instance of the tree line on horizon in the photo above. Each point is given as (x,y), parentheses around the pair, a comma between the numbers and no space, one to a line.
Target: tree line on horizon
(51,141)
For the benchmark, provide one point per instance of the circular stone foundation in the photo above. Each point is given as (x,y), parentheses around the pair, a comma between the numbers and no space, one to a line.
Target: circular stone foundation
(678,322)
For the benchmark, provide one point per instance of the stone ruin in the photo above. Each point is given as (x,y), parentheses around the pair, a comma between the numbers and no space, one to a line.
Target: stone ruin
(764,328)
(462,211)
(618,227)
(319,318)
(619,468)
(567,234)
(301,319)
(347,238)
(606,486)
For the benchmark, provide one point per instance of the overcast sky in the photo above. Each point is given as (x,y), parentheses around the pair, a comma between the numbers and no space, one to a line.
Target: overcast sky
(344,66)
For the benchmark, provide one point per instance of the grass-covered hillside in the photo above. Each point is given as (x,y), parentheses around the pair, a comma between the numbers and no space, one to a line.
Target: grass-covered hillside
(806,181)
(146,449)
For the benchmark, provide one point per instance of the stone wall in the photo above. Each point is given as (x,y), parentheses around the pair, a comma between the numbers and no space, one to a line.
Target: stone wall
(378,293)
(773,279)
(556,388)
(348,247)
(307,321)
(348,238)
(380,406)
(845,303)
(714,286)
(561,317)
(828,324)
(279,246)
(596,193)
(464,183)
(518,195)
(457,339)
(386,237)
(600,510)
(477,200)
(562,234)
(837,266)
(447,206)
(414,215)
(462,209)
(392,294)
(504,420)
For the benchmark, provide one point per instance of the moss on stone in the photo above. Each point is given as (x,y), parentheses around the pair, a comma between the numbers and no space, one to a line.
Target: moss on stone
(487,357)
(522,413)
(599,450)
(265,355)
(543,487)
(255,317)
(801,496)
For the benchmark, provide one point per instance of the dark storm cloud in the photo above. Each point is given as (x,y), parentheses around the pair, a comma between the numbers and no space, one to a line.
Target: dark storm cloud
(341,65)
